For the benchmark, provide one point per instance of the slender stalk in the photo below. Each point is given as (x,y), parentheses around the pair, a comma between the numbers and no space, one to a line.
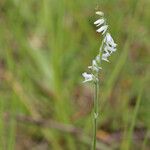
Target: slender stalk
(96,89)
(96,94)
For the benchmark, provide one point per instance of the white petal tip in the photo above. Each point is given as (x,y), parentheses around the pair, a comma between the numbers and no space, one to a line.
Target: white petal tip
(102,29)
(100,13)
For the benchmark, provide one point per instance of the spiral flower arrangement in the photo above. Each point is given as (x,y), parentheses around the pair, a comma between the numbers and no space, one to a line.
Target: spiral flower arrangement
(107,47)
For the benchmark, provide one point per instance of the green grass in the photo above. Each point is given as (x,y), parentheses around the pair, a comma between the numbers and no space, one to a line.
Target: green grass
(44,48)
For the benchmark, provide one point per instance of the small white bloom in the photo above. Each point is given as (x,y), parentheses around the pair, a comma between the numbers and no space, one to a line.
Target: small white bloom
(102,29)
(99,13)
(105,56)
(94,66)
(94,63)
(109,40)
(88,77)
(99,22)
(109,48)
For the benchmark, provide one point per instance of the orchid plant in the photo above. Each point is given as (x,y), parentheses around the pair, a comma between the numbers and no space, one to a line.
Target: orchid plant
(107,47)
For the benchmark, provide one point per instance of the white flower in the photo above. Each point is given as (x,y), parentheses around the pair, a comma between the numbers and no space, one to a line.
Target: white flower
(109,40)
(95,66)
(102,29)
(99,13)
(88,77)
(109,48)
(99,22)
(105,56)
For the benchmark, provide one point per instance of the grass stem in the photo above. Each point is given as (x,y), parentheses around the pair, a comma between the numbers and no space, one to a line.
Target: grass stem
(96,89)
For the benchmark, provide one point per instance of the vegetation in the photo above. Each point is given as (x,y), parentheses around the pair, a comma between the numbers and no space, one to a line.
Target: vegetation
(44,48)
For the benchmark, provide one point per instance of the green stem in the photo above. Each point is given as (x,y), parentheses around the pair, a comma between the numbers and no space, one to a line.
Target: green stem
(96,89)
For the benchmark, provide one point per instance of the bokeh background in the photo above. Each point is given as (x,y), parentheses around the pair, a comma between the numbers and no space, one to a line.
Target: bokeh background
(45,45)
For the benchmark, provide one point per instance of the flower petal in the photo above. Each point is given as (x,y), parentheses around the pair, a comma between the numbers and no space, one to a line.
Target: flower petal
(95,66)
(105,56)
(88,77)
(100,13)
(109,48)
(99,22)
(102,29)
(109,40)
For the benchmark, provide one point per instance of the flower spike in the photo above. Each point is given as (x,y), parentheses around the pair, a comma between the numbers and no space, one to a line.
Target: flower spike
(107,47)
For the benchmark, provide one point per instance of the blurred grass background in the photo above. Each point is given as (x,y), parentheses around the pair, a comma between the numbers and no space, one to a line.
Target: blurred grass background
(44,47)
